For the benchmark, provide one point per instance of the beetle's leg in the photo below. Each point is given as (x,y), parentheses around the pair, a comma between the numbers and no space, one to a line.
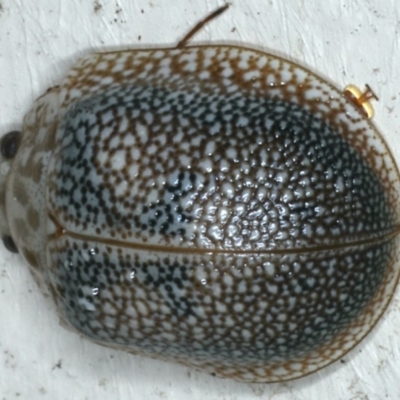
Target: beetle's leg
(198,26)
(361,99)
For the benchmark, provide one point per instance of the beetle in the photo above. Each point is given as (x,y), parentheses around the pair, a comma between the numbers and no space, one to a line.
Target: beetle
(215,205)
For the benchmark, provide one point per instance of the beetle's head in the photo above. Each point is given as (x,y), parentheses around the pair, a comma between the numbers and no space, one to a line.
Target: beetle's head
(9,144)
(24,159)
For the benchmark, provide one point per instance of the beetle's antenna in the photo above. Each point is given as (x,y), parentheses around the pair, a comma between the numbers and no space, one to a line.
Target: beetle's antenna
(200,25)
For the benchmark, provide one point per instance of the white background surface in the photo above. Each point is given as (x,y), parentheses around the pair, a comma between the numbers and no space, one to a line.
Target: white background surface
(349,41)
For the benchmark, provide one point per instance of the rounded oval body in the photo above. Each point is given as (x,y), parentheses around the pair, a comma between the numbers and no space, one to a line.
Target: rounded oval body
(216,206)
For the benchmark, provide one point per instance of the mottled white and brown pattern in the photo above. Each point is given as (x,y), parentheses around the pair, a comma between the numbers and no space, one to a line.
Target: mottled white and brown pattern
(212,205)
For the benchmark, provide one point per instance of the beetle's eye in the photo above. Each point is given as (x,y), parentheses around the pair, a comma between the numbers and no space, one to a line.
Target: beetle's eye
(9,244)
(9,144)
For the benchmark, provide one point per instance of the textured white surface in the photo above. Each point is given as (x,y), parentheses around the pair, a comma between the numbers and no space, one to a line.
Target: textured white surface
(347,41)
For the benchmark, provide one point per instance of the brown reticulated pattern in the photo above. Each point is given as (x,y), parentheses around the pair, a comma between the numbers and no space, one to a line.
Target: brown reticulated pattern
(220,207)
(220,172)
(274,313)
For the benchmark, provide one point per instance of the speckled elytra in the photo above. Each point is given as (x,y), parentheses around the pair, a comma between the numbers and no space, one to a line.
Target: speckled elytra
(213,205)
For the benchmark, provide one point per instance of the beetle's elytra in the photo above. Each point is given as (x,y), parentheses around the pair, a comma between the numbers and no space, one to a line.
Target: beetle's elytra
(213,205)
